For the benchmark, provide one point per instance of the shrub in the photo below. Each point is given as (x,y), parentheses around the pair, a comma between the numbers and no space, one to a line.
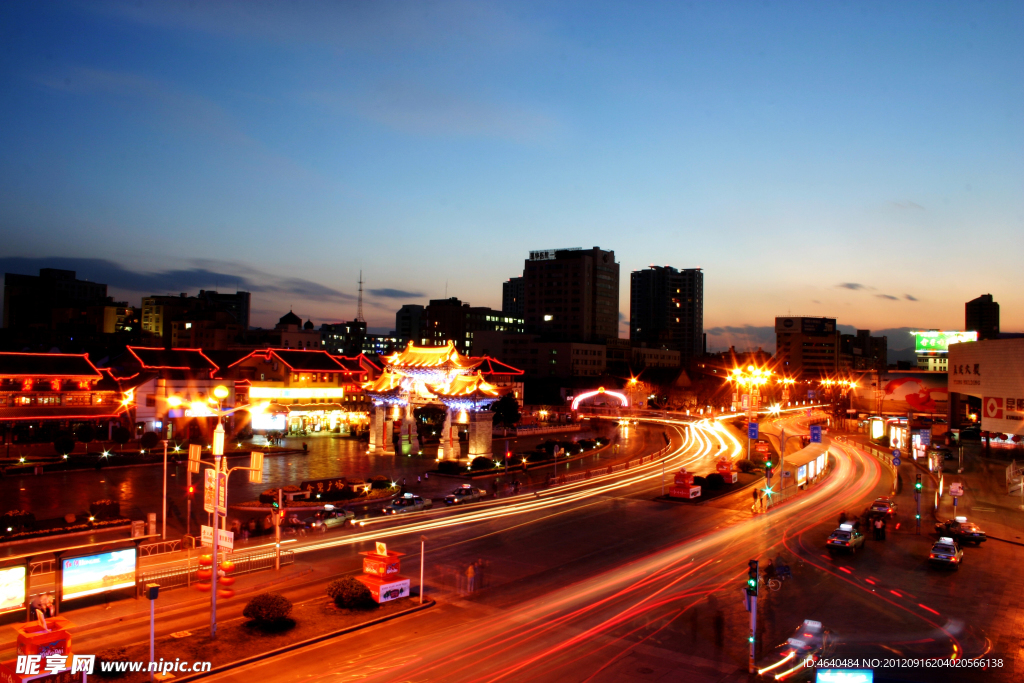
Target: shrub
(481,463)
(534,456)
(149,441)
(349,593)
(746,466)
(268,609)
(17,520)
(86,433)
(449,467)
(105,509)
(699,481)
(121,436)
(63,443)
(714,481)
(114,654)
(380,483)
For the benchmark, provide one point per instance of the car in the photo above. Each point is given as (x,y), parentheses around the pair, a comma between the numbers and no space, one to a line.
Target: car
(330,518)
(882,507)
(970,434)
(944,452)
(846,537)
(961,530)
(946,552)
(408,503)
(788,660)
(464,494)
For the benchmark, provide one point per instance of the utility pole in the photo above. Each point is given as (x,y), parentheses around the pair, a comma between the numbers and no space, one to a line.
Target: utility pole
(917,497)
(163,534)
(751,588)
(423,558)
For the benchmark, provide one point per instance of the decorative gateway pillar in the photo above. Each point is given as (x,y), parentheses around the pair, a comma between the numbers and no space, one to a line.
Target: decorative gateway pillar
(448,448)
(377,429)
(481,424)
(389,397)
(409,435)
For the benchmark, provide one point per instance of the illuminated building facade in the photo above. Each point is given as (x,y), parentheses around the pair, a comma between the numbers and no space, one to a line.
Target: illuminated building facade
(310,391)
(466,386)
(41,393)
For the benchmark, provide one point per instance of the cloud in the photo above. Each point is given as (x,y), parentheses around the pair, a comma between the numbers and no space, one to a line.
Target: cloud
(906,206)
(890,297)
(908,297)
(744,338)
(207,275)
(389,293)
(855,286)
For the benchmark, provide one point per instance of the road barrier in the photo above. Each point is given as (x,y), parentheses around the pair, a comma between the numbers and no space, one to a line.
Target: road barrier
(160,547)
(244,564)
(611,469)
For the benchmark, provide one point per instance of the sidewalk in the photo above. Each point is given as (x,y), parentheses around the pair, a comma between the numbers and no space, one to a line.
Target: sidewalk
(985,501)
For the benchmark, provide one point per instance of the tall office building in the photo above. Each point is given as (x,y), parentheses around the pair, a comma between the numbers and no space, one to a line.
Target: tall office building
(409,323)
(981,315)
(807,347)
(666,308)
(31,300)
(572,294)
(513,296)
(453,320)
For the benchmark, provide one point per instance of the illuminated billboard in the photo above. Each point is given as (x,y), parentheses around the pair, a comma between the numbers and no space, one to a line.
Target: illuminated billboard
(12,588)
(938,341)
(270,421)
(901,393)
(93,574)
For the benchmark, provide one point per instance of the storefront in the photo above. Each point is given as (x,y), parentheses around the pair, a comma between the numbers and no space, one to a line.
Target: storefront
(992,371)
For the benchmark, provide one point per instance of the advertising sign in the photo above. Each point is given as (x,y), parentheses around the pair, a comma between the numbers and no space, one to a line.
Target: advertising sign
(938,341)
(93,574)
(209,484)
(270,421)
(12,588)
(391,590)
(900,393)
(956,489)
(383,568)
(225,539)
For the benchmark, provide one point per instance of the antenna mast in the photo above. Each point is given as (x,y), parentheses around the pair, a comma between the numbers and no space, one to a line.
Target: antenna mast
(359,310)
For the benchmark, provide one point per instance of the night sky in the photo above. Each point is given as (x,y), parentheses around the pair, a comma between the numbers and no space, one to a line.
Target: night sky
(855,159)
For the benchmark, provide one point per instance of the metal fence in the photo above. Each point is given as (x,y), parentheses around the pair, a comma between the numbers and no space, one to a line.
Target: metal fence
(183,575)
(160,547)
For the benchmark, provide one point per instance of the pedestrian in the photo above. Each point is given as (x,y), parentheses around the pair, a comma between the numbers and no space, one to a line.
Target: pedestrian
(419,480)
(883,528)
(426,475)
(470,577)
(842,518)
(403,481)
(878,529)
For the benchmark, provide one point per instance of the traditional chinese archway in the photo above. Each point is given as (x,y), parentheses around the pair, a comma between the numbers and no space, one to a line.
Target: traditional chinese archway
(421,376)
(601,392)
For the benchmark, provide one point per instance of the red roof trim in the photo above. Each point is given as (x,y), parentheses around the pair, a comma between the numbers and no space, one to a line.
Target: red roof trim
(56,355)
(131,349)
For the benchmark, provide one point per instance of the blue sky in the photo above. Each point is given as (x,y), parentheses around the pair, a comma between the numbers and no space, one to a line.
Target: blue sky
(861,160)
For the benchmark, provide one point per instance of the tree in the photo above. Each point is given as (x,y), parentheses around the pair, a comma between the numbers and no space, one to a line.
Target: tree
(268,609)
(86,434)
(349,593)
(506,411)
(150,440)
(63,443)
(121,436)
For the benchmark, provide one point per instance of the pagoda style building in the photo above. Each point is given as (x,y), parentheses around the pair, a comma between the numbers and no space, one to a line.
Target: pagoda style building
(421,376)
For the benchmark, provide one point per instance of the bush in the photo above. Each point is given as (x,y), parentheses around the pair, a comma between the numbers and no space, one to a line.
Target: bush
(380,483)
(746,466)
(268,609)
(86,433)
(121,436)
(349,593)
(699,481)
(114,654)
(149,441)
(481,463)
(105,509)
(449,467)
(17,520)
(535,456)
(714,481)
(63,443)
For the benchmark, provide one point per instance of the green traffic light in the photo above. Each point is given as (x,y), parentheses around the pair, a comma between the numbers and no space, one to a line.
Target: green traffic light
(750,639)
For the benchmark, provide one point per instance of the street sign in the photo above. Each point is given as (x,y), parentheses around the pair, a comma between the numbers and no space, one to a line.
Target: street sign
(761,447)
(195,452)
(815,433)
(896,462)
(752,430)
(208,484)
(787,473)
(926,437)
(956,489)
(225,539)
(895,452)
(222,502)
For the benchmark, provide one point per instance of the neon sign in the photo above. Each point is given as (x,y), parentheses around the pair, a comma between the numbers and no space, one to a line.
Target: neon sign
(582,397)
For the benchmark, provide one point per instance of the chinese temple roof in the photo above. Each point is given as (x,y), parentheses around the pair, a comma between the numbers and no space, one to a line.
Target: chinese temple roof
(302,360)
(388,382)
(467,386)
(430,357)
(64,365)
(173,359)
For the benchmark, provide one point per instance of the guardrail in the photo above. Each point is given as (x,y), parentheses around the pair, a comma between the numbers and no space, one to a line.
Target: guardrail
(185,575)
(42,567)
(610,469)
(160,547)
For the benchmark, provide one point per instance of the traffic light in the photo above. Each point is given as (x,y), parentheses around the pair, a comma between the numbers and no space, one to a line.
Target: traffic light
(917,484)
(275,505)
(752,578)
(191,492)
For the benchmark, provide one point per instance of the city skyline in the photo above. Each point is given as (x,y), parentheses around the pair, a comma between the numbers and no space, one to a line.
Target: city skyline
(870,173)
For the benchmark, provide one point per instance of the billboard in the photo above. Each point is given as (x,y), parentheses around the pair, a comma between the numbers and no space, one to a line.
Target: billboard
(273,421)
(817,326)
(12,588)
(938,341)
(93,574)
(902,393)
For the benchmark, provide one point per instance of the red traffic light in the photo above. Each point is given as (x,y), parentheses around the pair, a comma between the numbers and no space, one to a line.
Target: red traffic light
(191,492)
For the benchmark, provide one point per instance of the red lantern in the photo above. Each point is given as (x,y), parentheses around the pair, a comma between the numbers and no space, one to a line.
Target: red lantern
(205,560)
(204,574)
(1017,438)
(225,593)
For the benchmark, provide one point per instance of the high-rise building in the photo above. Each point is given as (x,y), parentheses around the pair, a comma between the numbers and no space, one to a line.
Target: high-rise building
(31,300)
(453,320)
(807,347)
(666,309)
(864,352)
(409,323)
(513,297)
(159,312)
(572,294)
(981,315)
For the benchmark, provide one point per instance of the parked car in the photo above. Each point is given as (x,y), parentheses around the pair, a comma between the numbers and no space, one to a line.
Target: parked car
(408,503)
(846,537)
(944,452)
(946,552)
(464,494)
(961,530)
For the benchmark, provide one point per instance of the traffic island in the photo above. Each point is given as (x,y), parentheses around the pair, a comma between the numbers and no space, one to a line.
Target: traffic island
(743,480)
(241,642)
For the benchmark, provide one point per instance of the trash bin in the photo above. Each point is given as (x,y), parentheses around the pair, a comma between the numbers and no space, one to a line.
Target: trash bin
(138,529)
(151,523)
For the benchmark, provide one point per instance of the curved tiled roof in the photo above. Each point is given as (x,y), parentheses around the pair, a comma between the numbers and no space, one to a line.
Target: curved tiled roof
(70,365)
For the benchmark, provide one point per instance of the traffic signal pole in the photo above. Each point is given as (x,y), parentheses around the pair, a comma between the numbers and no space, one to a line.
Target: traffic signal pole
(751,588)
(917,497)
(753,631)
